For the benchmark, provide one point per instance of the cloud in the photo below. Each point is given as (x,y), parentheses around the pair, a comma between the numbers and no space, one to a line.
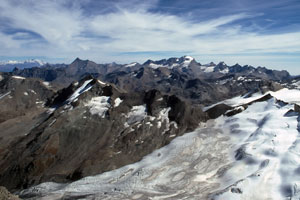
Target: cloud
(103,31)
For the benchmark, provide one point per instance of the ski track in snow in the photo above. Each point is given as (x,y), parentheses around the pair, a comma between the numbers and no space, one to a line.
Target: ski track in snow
(252,155)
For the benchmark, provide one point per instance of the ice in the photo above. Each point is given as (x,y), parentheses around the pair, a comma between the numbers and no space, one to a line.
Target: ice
(118,101)
(18,77)
(99,105)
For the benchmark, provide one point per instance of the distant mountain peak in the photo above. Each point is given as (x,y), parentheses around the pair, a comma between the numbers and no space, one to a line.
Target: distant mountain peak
(183,61)
(211,64)
(8,66)
(15,62)
(189,58)
(77,60)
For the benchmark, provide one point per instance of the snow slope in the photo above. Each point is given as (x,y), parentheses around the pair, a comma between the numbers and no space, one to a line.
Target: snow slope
(252,155)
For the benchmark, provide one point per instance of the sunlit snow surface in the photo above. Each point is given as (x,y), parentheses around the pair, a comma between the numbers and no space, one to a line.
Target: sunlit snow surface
(83,88)
(252,155)
(99,105)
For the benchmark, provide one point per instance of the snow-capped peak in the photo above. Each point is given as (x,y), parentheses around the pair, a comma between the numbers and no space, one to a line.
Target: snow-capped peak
(188,58)
(187,61)
(131,64)
(16,62)
(184,61)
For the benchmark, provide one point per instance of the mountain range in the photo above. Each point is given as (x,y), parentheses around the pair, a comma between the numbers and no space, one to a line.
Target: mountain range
(8,66)
(179,76)
(61,123)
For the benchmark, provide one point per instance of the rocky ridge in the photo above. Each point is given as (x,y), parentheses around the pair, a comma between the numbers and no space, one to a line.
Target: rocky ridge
(93,127)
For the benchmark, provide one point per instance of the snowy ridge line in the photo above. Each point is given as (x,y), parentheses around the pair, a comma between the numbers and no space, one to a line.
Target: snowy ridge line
(285,95)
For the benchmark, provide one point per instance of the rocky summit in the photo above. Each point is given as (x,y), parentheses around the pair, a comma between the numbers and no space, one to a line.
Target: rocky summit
(158,123)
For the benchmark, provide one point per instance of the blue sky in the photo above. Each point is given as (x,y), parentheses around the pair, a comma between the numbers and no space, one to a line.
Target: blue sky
(259,33)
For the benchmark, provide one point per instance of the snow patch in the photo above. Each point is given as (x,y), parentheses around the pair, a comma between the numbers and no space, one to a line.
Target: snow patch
(224,71)
(155,66)
(46,83)
(99,105)
(102,83)
(136,114)
(26,93)
(207,69)
(241,78)
(131,64)
(51,110)
(163,117)
(18,77)
(118,101)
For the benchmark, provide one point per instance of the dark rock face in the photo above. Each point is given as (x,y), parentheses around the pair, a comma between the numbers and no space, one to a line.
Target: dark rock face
(218,110)
(102,129)
(21,108)
(18,95)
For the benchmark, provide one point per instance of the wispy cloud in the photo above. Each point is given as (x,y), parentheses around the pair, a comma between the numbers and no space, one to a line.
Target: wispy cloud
(103,31)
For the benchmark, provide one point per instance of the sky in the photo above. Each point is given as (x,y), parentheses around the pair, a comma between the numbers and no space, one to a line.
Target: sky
(258,33)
